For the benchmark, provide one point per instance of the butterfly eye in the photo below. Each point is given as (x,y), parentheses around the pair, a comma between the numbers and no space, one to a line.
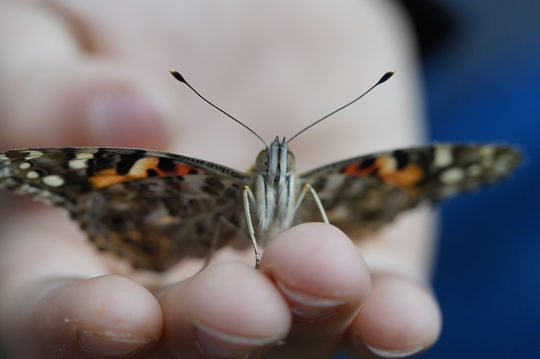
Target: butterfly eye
(262,161)
(290,161)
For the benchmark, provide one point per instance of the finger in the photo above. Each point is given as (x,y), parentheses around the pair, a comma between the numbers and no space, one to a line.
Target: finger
(107,316)
(227,310)
(398,319)
(323,278)
(46,309)
(55,95)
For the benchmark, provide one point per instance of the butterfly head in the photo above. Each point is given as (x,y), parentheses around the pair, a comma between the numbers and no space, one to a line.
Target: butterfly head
(275,161)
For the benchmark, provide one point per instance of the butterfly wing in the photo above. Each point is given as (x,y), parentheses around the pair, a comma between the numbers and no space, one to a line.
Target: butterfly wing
(150,207)
(366,192)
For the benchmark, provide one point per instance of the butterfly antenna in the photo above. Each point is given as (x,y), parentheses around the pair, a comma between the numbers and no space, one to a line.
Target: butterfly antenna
(385,77)
(181,78)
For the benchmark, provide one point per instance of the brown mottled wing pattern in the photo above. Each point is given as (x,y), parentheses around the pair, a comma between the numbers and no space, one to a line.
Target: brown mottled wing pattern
(150,207)
(363,193)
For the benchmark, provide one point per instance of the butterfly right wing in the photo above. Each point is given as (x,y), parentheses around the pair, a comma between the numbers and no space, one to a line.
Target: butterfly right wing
(366,192)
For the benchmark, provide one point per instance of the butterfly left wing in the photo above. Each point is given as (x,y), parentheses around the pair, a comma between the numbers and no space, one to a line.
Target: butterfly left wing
(366,192)
(149,207)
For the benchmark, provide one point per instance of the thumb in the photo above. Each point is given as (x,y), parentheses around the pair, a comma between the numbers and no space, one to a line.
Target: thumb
(81,104)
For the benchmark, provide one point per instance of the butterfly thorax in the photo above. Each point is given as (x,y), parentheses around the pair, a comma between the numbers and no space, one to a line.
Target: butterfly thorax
(274,187)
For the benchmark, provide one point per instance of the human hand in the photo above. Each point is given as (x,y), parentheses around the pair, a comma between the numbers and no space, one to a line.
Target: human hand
(74,74)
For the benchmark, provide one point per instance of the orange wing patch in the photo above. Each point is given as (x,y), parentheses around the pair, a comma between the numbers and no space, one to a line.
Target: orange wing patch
(106,178)
(385,167)
(142,168)
(406,177)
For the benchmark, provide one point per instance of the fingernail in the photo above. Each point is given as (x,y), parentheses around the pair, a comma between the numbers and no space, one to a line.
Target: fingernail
(131,119)
(309,307)
(110,344)
(384,353)
(211,341)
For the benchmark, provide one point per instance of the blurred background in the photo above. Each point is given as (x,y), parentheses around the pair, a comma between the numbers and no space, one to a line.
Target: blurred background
(481,64)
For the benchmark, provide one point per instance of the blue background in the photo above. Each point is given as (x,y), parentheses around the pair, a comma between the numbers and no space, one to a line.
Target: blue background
(484,85)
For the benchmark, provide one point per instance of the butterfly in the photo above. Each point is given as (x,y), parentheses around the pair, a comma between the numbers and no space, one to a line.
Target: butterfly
(154,208)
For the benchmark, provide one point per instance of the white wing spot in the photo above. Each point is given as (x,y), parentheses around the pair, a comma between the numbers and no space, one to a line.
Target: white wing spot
(84,155)
(443,156)
(503,164)
(78,164)
(32,175)
(389,165)
(53,181)
(28,189)
(486,151)
(50,197)
(25,166)
(5,172)
(3,157)
(474,170)
(452,175)
(31,154)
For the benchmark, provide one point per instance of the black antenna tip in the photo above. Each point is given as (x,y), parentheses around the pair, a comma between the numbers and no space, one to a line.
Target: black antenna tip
(177,76)
(385,77)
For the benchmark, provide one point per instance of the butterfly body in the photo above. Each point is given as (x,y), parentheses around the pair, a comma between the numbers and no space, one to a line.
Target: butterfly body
(274,187)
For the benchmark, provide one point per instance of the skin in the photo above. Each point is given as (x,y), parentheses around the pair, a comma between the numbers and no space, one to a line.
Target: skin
(73,74)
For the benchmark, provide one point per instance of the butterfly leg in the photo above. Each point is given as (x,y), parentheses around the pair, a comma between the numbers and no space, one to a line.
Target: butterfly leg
(247,195)
(213,246)
(215,237)
(308,188)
